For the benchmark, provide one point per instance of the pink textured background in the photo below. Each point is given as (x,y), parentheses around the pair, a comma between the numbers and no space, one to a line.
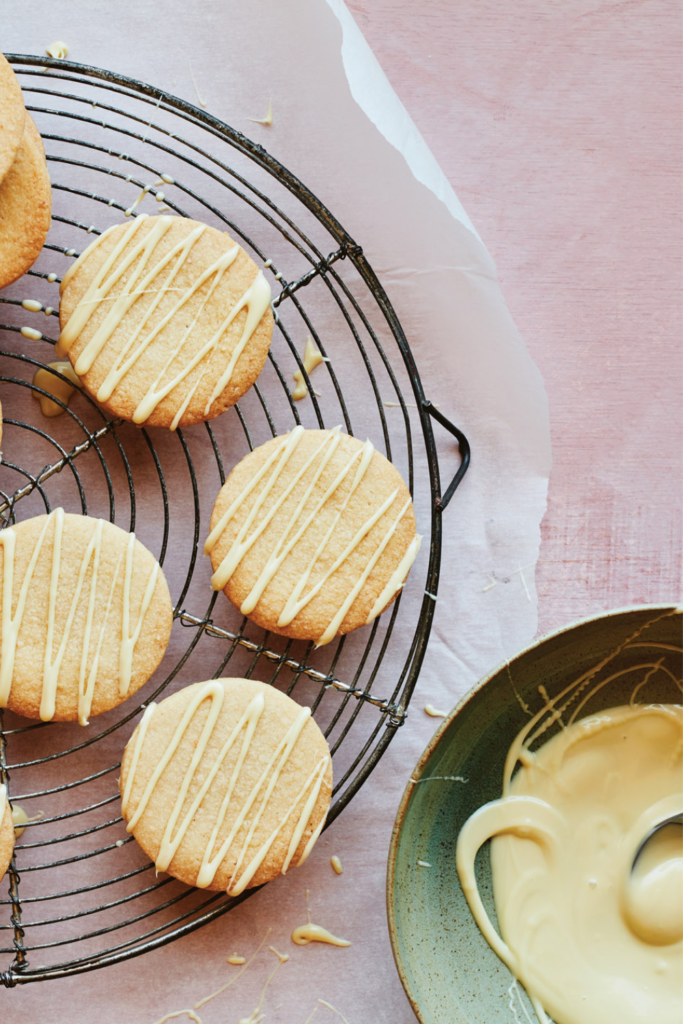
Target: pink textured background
(559,128)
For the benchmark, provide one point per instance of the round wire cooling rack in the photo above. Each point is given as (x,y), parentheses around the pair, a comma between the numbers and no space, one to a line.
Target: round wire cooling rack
(81,893)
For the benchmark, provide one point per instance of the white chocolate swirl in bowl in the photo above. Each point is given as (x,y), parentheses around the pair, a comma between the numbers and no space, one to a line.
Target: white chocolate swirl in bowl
(592,941)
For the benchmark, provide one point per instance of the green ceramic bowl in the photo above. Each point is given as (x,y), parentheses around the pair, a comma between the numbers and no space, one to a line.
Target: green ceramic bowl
(448,970)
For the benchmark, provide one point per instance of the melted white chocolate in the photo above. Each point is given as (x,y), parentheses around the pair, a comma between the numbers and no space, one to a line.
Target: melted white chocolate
(31,333)
(263,788)
(256,522)
(312,357)
(336,865)
(266,121)
(190,1014)
(33,306)
(200,98)
(128,262)
(652,902)
(329,1006)
(93,635)
(61,389)
(21,819)
(306,933)
(235,960)
(255,1017)
(57,50)
(217,992)
(591,941)
(434,712)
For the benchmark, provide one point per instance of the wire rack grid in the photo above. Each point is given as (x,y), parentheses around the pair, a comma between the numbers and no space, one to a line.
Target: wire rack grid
(81,894)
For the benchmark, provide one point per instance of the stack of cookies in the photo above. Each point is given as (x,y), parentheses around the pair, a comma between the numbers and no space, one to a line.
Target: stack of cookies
(167,322)
(25,195)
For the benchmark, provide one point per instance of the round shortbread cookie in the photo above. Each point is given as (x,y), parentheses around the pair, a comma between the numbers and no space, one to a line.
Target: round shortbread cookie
(25,207)
(312,534)
(91,616)
(226,783)
(6,832)
(166,321)
(12,116)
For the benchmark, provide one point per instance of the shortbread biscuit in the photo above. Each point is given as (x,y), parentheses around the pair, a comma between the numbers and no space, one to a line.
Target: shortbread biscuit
(6,832)
(12,116)
(90,620)
(312,534)
(166,321)
(226,783)
(25,207)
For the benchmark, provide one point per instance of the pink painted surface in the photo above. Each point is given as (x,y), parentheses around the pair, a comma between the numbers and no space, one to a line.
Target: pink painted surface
(559,128)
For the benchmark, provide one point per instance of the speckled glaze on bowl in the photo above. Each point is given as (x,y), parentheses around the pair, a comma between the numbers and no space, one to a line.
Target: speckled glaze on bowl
(448,970)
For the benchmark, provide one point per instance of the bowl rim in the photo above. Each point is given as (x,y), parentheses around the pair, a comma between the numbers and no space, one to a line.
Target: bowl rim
(669,608)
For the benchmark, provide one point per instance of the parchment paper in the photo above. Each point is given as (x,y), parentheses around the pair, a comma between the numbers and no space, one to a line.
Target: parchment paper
(338,125)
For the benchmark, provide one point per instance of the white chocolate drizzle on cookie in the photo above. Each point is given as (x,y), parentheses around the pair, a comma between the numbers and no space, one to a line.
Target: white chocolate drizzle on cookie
(306,799)
(3,802)
(92,637)
(256,300)
(360,461)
